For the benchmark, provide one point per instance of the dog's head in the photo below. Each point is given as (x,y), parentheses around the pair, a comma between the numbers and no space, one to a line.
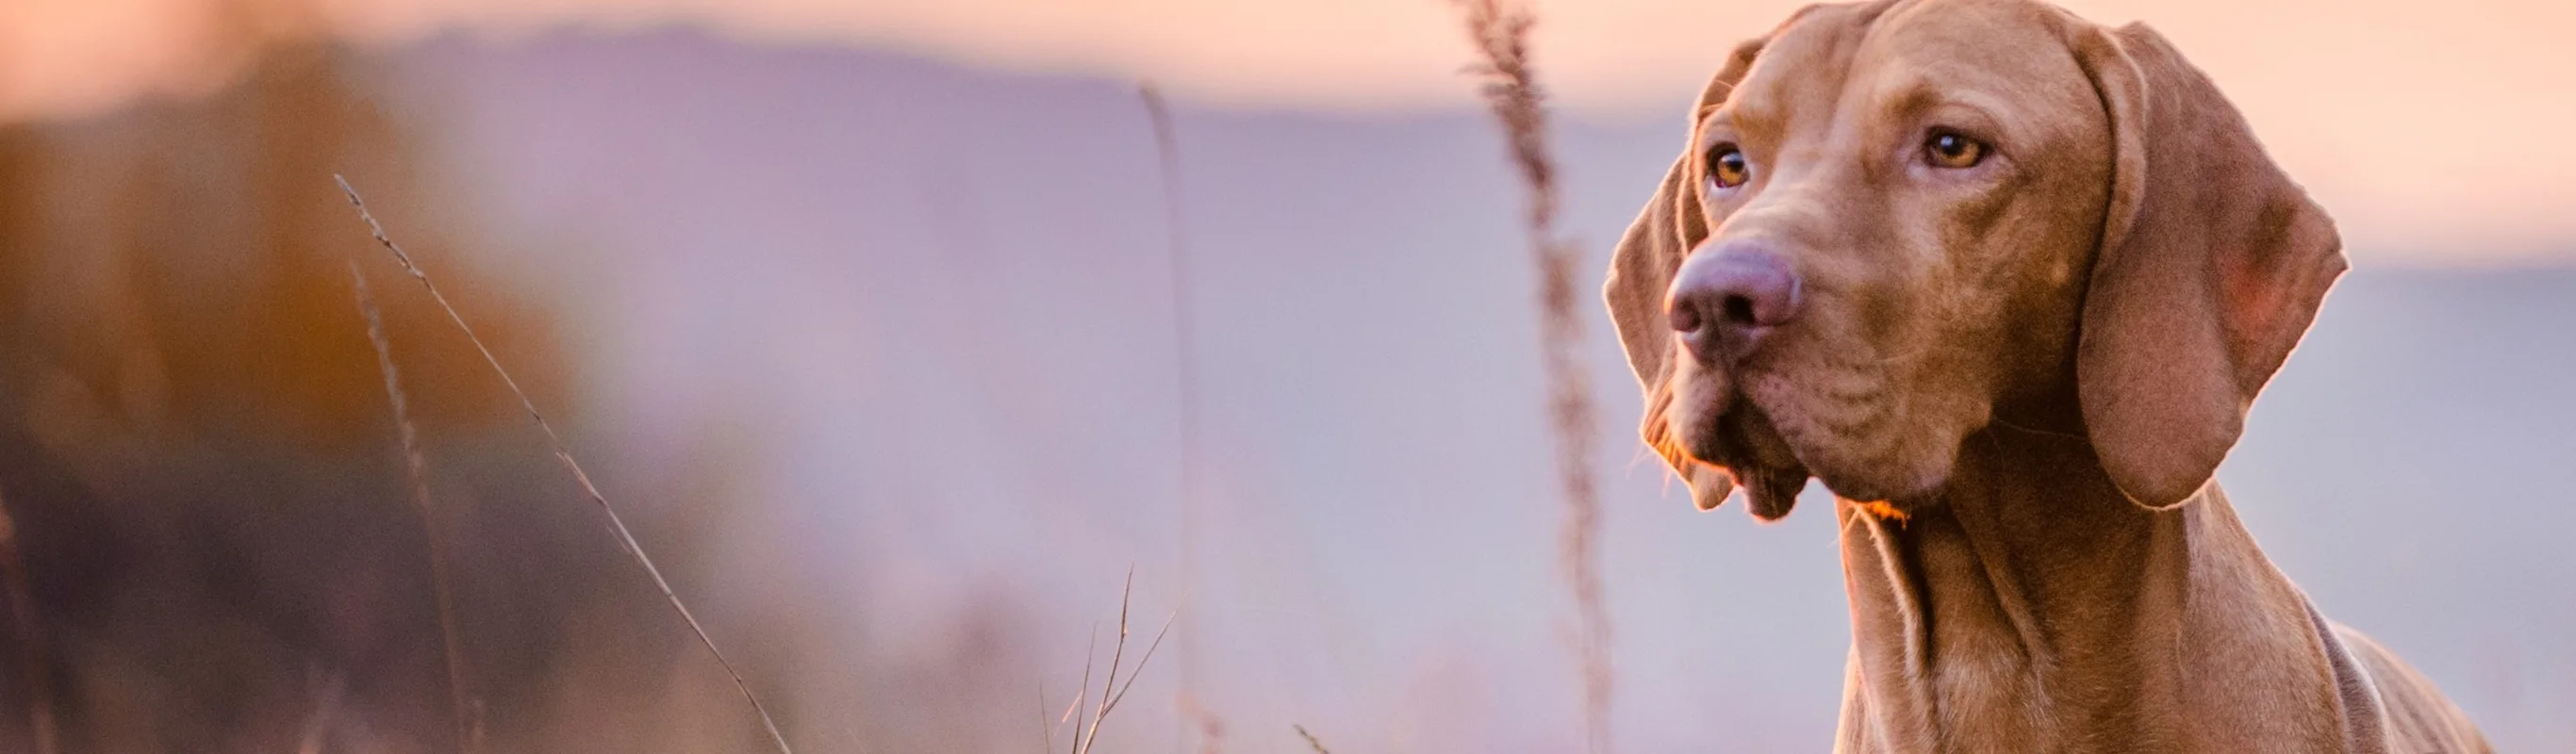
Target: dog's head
(1897,222)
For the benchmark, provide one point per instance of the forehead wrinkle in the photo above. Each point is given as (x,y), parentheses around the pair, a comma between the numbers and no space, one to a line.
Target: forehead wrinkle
(1800,75)
(2001,61)
(1995,37)
(1913,98)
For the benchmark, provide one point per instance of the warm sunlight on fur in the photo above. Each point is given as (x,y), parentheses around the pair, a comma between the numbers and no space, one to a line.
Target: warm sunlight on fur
(895,331)
(1862,269)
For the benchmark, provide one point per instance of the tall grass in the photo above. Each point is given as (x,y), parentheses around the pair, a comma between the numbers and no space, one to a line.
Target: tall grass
(563,456)
(1311,741)
(1185,397)
(469,737)
(1086,732)
(1511,90)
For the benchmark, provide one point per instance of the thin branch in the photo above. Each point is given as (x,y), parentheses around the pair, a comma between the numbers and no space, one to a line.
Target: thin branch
(563,455)
(418,468)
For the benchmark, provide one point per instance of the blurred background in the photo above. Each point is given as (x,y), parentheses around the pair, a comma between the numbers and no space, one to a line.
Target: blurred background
(864,314)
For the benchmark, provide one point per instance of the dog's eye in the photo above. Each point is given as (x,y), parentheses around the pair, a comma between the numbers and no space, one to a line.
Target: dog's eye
(1950,149)
(1726,166)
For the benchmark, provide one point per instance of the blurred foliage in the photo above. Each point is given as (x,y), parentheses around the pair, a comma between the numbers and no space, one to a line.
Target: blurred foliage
(198,459)
(194,440)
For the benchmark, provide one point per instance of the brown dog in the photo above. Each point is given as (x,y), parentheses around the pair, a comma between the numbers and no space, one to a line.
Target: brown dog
(2006,281)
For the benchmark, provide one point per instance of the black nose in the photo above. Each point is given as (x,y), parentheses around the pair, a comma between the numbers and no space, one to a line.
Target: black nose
(1726,298)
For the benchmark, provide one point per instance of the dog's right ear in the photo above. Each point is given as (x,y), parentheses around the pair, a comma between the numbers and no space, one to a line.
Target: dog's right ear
(2212,264)
(1642,269)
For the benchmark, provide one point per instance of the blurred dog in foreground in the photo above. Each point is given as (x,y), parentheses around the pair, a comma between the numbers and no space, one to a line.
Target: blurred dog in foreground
(2006,281)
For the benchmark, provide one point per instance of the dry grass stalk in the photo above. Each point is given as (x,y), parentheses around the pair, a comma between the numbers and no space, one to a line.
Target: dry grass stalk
(563,456)
(1511,91)
(1081,691)
(1185,398)
(31,647)
(1311,741)
(1046,729)
(1111,690)
(414,464)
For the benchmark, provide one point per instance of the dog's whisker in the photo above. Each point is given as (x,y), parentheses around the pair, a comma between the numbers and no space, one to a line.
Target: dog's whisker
(2007,424)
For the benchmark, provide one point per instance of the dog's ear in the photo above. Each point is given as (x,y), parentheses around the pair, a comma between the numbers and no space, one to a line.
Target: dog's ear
(1641,269)
(2212,265)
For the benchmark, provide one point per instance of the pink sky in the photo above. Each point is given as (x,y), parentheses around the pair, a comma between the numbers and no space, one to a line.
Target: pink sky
(2436,132)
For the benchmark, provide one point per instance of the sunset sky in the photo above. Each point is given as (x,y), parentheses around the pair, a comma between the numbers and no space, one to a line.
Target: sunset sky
(869,313)
(2436,132)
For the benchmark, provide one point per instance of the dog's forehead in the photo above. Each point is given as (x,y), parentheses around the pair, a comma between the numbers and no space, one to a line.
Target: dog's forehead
(2013,45)
(1951,40)
(1804,60)
(1965,38)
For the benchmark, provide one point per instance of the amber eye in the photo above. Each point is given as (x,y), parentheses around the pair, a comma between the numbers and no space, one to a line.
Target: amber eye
(1949,149)
(1726,166)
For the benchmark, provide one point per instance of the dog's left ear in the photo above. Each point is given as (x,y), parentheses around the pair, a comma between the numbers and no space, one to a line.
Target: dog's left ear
(2211,267)
(1642,268)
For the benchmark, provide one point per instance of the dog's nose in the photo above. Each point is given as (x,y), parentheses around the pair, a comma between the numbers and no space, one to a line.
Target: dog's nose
(1725,299)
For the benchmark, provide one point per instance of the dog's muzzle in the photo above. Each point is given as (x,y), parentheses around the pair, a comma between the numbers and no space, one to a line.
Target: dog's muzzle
(1725,301)
(1727,298)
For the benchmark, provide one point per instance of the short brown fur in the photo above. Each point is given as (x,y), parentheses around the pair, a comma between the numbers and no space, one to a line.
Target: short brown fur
(2018,379)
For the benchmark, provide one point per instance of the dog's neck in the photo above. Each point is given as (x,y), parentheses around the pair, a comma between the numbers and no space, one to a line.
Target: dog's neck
(2031,606)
